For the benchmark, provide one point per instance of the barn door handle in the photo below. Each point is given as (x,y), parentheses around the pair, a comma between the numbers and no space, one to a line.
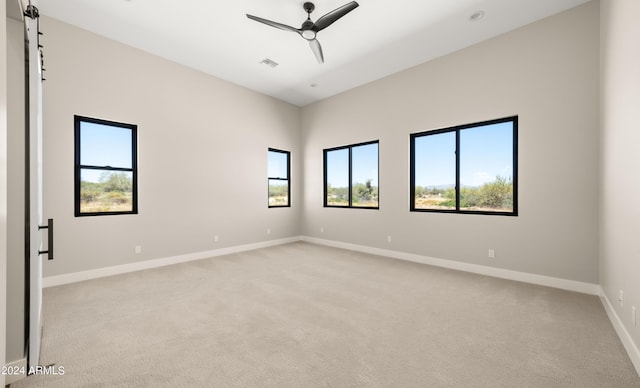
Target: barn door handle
(49,227)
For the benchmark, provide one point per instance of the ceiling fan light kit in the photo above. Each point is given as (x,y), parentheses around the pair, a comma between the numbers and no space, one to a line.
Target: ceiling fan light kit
(309,29)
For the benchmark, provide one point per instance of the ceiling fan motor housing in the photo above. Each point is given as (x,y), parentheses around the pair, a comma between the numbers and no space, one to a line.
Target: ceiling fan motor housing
(308,7)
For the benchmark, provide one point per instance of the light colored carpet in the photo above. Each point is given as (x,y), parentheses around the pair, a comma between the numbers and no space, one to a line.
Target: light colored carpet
(303,315)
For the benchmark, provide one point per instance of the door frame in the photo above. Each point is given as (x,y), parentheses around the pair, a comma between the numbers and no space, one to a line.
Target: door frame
(3,185)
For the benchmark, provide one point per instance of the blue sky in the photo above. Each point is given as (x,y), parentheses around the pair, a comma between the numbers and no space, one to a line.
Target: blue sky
(104,145)
(485,152)
(364,165)
(277,164)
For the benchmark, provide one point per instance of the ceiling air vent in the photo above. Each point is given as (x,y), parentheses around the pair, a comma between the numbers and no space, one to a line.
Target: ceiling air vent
(269,62)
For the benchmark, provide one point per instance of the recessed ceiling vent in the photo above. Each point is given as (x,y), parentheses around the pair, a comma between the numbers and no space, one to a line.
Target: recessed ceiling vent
(478,15)
(269,62)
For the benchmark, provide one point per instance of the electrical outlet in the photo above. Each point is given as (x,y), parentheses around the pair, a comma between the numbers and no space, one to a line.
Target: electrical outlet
(491,254)
(388,239)
(268,230)
(322,229)
(216,238)
(138,249)
(634,317)
(621,298)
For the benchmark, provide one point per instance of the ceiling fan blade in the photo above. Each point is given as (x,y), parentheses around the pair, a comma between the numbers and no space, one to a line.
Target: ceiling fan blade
(273,24)
(328,19)
(317,50)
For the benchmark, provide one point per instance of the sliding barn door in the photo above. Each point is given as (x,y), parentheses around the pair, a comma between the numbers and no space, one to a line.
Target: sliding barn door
(34,208)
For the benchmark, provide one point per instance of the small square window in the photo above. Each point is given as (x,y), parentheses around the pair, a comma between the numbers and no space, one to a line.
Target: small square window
(351,176)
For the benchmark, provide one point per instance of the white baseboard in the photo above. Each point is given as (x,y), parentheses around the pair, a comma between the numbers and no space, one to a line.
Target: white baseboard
(58,280)
(586,288)
(570,285)
(20,365)
(629,345)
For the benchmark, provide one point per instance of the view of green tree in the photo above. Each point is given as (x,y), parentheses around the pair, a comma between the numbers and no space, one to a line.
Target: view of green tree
(115,181)
(278,194)
(364,194)
(337,196)
(491,196)
(113,192)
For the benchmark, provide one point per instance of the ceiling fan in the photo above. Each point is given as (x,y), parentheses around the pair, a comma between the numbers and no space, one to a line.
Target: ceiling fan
(309,29)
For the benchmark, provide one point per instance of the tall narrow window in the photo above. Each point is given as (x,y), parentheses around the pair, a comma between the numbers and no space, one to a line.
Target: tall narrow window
(278,179)
(351,176)
(105,167)
(466,169)
(435,171)
(337,177)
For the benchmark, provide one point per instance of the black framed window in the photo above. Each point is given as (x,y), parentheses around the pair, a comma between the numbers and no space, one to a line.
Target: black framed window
(470,168)
(351,176)
(105,167)
(278,178)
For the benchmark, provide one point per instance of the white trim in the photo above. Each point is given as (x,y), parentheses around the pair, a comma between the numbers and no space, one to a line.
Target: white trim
(74,277)
(621,330)
(21,364)
(565,284)
(570,285)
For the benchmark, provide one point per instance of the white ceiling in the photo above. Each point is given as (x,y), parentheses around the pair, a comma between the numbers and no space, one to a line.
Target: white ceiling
(376,39)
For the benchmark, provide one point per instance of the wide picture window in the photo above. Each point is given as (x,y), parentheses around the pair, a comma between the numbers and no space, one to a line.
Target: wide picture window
(351,176)
(466,169)
(105,167)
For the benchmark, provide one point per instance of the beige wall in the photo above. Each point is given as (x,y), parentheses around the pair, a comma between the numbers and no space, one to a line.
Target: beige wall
(620,182)
(547,74)
(202,154)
